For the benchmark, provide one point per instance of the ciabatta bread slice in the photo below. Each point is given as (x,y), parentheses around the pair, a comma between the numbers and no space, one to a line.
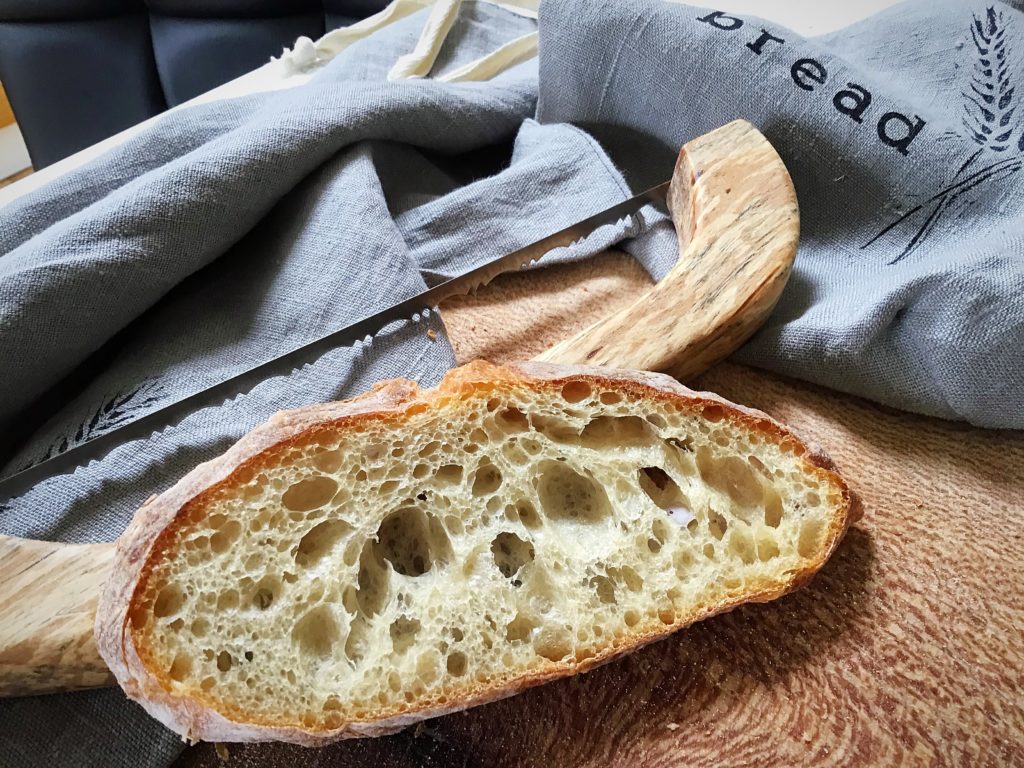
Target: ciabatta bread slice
(351,568)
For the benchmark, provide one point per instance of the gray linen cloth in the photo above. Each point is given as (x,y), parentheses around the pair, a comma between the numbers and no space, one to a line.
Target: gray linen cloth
(904,135)
(234,231)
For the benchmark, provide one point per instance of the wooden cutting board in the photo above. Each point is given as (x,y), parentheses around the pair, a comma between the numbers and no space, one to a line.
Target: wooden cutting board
(907,649)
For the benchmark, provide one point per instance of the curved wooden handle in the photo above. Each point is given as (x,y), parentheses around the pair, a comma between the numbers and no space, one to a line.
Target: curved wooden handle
(736,216)
(46,615)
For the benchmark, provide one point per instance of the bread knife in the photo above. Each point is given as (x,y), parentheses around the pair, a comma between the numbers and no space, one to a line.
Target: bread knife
(154,423)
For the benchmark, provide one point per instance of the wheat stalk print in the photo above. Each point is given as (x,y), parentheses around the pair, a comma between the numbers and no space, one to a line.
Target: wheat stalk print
(988,112)
(111,413)
(988,105)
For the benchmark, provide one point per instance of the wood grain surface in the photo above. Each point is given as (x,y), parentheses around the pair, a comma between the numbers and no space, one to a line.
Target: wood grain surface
(907,649)
(47,632)
(735,214)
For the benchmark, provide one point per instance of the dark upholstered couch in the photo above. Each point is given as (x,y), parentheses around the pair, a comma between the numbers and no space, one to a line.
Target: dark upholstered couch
(77,71)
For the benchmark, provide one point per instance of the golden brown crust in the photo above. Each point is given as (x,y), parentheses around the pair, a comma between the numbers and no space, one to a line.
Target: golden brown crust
(152,530)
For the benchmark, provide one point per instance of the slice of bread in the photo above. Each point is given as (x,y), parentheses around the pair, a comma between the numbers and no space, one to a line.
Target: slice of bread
(351,568)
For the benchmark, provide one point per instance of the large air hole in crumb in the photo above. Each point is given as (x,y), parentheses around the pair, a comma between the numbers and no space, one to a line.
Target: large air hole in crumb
(666,494)
(456,664)
(605,589)
(627,576)
(320,540)
(741,543)
(511,553)
(429,449)
(169,601)
(181,667)
(514,453)
(308,494)
(412,541)
(403,633)
(553,643)
(767,548)
(224,661)
(317,632)
(810,536)
(717,524)
(520,628)
(449,473)
(394,681)
(606,432)
(713,413)
(373,590)
(679,454)
(477,439)
(566,495)
(351,552)
(350,599)
(732,476)
(757,464)
(373,453)
(329,461)
(555,429)
(657,420)
(487,478)
(267,591)
(513,420)
(358,641)
(332,704)
(576,391)
(199,627)
(772,507)
(528,514)
(226,536)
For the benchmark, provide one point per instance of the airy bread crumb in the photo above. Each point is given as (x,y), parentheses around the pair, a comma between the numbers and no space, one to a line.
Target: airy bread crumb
(358,566)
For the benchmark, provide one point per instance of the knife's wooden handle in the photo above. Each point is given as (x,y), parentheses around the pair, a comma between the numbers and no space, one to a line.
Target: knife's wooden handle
(48,595)
(736,217)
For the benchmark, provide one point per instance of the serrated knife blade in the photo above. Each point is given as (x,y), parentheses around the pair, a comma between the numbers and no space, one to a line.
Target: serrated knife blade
(152,424)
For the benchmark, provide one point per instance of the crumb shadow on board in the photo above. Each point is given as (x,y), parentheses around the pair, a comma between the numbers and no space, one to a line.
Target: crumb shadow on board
(588,719)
